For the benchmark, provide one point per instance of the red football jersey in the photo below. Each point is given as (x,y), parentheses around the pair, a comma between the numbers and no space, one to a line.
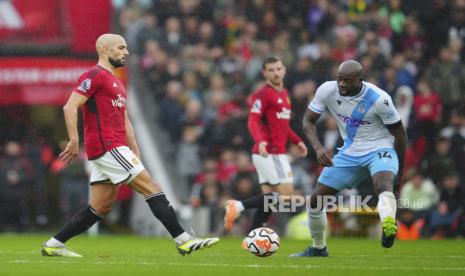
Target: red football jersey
(269,119)
(104,123)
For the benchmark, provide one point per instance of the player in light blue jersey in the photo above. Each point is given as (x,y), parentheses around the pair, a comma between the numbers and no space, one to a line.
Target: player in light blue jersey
(374,144)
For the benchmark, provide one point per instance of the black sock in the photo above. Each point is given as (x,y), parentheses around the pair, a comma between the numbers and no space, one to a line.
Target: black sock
(260,218)
(162,209)
(256,202)
(78,224)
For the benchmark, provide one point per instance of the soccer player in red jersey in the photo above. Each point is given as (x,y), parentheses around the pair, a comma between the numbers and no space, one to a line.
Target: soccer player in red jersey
(268,124)
(112,150)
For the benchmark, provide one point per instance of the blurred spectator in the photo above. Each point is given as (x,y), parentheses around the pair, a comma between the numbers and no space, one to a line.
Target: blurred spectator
(396,17)
(209,192)
(403,101)
(16,173)
(148,31)
(440,162)
(444,219)
(171,110)
(455,131)
(447,78)
(419,195)
(74,184)
(188,155)
(428,107)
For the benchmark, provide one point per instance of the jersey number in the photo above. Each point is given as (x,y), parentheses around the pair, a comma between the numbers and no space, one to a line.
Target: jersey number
(384,154)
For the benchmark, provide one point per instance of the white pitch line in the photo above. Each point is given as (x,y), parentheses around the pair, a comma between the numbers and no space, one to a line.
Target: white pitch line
(404,256)
(260,266)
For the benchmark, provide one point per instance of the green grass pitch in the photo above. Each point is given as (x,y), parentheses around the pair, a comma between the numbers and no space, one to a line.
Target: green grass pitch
(132,255)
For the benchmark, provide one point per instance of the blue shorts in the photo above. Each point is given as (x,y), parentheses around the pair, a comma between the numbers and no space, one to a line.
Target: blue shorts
(348,171)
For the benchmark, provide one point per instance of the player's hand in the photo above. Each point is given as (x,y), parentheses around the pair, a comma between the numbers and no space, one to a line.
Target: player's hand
(303,151)
(324,157)
(71,151)
(262,149)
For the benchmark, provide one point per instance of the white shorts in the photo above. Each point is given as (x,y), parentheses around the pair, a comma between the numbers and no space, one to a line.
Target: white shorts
(116,166)
(274,169)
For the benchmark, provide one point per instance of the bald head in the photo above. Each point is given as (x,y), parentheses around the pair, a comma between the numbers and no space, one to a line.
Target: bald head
(112,48)
(349,78)
(108,40)
(350,67)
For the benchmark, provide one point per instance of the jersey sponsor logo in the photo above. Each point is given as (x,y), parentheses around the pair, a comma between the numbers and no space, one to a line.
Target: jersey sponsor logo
(339,102)
(256,106)
(284,114)
(119,102)
(352,122)
(85,85)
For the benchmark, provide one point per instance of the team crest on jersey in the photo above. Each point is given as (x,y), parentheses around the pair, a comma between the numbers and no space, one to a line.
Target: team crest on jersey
(85,85)
(280,101)
(361,108)
(256,106)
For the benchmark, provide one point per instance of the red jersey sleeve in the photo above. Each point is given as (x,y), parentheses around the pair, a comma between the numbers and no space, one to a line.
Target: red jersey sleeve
(88,83)
(293,137)
(255,117)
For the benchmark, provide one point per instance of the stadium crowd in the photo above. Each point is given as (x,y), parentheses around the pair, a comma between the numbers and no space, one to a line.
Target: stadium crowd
(202,59)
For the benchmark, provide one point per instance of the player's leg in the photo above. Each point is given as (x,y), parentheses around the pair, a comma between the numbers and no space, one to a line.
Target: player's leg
(163,211)
(387,206)
(317,221)
(346,172)
(268,176)
(102,197)
(383,168)
(283,192)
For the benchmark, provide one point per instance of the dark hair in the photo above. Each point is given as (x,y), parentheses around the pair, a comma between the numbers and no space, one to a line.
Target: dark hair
(269,60)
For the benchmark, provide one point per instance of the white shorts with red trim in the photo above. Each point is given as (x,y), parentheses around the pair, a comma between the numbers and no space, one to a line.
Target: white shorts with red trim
(273,169)
(119,165)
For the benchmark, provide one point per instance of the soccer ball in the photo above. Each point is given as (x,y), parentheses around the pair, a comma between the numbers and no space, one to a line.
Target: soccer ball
(262,242)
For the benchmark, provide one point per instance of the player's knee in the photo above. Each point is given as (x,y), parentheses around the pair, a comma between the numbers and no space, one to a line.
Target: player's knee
(156,187)
(102,209)
(383,185)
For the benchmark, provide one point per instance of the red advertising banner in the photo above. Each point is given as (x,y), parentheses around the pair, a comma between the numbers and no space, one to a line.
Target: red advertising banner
(37,21)
(39,80)
(71,24)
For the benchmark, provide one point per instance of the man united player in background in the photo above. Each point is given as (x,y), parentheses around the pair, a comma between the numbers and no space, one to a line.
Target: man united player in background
(269,126)
(112,150)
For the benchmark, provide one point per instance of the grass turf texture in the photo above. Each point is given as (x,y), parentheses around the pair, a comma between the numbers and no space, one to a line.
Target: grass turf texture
(131,255)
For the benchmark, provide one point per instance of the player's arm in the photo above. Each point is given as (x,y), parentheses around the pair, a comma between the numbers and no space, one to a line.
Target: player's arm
(130,136)
(254,124)
(391,119)
(70,110)
(309,126)
(400,144)
(294,138)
